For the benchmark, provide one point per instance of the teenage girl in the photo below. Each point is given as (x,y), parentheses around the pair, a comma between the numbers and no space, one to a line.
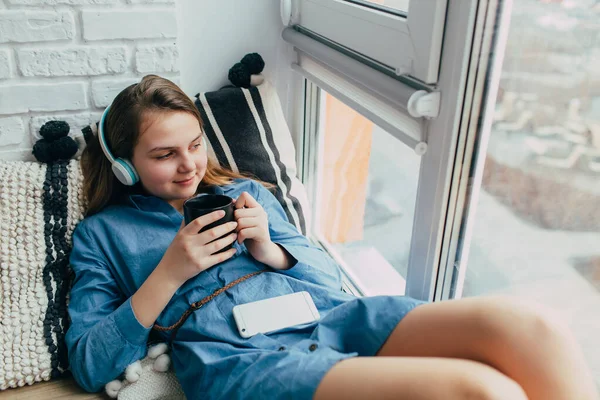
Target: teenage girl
(137,267)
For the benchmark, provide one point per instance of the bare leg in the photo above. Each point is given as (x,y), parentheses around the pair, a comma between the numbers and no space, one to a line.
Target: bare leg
(519,341)
(409,378)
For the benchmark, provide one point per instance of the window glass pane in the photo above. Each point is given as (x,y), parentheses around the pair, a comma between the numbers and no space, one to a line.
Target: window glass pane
(366,197)
(385,5)
(537,225)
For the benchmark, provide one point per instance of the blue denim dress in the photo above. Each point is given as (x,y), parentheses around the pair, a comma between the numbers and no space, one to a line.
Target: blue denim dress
(114,252)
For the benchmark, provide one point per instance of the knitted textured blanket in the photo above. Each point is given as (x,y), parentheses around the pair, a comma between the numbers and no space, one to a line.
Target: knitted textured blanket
(40,205)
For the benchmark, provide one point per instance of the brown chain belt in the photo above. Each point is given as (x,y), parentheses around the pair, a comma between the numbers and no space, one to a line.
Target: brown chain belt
(194,306)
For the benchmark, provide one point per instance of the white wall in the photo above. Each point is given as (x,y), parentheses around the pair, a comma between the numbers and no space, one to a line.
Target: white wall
(216,34)
(67,59)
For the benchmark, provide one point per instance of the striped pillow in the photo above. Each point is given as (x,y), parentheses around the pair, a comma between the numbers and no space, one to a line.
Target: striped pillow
(40,205)
(248,133)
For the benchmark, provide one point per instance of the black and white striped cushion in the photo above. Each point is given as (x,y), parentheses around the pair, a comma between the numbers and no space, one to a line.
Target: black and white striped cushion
(248,133)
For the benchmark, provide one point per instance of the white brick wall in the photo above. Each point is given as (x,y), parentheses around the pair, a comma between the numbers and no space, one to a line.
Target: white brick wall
(56,2)
(27,97)
(67,59)
(4,64)
(157,58)
(103,90)
(82,60)
(35,26)
(129,24)
(12,131)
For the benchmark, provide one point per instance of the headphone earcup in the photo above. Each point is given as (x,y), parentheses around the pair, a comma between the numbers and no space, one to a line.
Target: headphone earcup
(125,172)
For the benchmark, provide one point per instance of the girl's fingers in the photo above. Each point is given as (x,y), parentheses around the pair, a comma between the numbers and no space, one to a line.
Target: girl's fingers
(246,200)
(217,245)
(216,232)
(248,233)
(219,258)
(246,212)
(200,222)
(247,222)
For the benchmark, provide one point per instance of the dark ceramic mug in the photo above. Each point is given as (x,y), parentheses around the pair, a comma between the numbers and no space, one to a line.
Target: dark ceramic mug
(205,204)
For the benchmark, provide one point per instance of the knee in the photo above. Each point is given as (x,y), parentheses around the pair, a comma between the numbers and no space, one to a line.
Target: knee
(491,385)
(503,315)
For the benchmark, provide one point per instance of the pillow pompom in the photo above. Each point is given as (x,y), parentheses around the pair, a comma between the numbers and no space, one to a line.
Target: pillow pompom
(254,62)
(239,75)
(246,73)
(62,148)
(133,371)
(157,350)
(112,388)
(162,363)
(53,130)
(56,144)
(148,378)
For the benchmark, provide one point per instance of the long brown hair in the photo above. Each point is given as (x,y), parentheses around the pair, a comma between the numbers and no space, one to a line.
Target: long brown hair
(122,131)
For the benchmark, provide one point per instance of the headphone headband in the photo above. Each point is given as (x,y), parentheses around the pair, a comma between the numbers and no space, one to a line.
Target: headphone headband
(103,145)
(122,168)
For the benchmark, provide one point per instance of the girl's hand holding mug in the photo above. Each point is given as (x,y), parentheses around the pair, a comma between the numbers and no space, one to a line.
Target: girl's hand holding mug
(253,230)
(191,252)
(253,226)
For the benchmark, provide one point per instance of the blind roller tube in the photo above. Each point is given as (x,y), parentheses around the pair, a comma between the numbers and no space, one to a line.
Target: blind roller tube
(398,123)
(372,79)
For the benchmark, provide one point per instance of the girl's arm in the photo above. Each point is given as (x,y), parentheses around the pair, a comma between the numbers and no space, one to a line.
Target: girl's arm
(309,262)
(104,336)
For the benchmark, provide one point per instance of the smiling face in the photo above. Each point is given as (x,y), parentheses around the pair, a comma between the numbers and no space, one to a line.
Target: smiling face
(169,156)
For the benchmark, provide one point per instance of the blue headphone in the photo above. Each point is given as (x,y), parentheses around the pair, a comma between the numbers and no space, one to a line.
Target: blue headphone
(122,168)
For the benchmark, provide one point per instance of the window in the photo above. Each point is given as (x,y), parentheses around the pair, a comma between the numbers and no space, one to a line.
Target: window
(408,34)
(404,113)
(517,217)
(363,190)
(399,7)
(532,227)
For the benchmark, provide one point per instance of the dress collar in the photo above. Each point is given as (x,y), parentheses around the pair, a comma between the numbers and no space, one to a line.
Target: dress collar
(147,202)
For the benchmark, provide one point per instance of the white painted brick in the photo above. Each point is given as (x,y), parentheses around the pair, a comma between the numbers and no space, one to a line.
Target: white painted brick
(81,60)
(55,2)
(149,1)
(22,98)
(104,91)
(4,64)
(157,59)
(11,131)
(75,121)
(35,26)
(16,155)
(129,24)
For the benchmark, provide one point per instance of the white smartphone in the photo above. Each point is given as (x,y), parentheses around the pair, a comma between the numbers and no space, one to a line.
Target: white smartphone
(276,313)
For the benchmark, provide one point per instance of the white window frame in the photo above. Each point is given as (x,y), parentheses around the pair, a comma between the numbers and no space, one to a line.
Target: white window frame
(406,44)
(487,58)
(440,190)
(432,237)
(308,160)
